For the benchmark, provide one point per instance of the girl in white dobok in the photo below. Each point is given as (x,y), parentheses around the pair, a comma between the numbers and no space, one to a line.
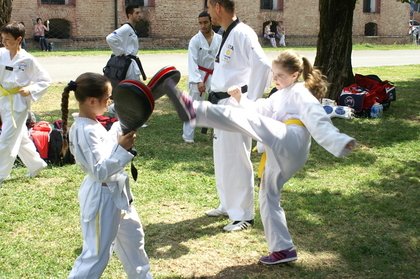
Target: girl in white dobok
(284,124)
(108,219)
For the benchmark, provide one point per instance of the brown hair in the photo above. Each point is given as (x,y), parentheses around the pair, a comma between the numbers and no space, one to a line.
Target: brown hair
(129,10)
(314,80)
(229,5)
(15,29)
(86,85)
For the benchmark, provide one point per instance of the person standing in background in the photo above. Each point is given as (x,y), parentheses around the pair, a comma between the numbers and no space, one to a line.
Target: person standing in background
(23,44)
(240,61)
(281,34)
(39,33)
(270,35)
(202,51)
(125,42)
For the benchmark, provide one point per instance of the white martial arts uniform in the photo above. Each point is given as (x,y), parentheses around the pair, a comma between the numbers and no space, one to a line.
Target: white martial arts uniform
(106,214)
(200,54)
(242,62)
(21,71)
(287,146)
(124,41)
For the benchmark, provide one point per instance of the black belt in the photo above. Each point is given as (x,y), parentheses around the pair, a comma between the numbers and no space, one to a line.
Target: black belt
(215,97)
(138,62)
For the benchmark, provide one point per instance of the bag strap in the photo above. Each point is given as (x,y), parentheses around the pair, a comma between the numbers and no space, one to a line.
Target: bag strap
(135,58)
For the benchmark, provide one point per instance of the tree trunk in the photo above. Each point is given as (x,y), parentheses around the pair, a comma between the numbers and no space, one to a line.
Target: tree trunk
(333,56)
(5,11)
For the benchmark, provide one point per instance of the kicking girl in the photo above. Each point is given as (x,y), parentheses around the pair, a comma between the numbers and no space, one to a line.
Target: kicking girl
(284,123)
(108,219)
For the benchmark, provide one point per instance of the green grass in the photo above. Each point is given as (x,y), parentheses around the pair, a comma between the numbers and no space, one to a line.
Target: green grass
(356,217)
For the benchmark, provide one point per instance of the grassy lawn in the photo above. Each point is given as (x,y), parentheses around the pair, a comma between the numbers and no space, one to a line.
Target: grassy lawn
(356,217)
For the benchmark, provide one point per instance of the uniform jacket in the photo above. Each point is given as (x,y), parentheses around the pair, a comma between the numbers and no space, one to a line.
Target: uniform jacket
(242,62)
(23,70)
(200,53)
(98,154)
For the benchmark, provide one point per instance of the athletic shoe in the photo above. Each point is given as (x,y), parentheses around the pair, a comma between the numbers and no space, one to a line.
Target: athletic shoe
(217,212)
(283,256)
(36,172)
(187,140)
(183,105)
(239,225)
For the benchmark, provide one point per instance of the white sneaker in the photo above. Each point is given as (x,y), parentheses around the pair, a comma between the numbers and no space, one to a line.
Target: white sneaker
(216,212)
(36,172)
(239,225)
(187,140)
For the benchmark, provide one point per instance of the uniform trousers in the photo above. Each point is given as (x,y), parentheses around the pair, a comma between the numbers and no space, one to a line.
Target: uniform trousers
(188,130)
(112,229)
(234,172)
(16,142)
(287,148)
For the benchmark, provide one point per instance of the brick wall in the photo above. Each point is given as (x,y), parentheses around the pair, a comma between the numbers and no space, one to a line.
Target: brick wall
(174,22)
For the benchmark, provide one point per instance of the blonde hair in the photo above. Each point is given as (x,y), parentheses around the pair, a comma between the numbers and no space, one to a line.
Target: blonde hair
(314,80)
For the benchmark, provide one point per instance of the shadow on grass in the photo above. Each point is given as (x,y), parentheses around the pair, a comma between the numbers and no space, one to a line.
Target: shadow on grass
(368,234)
(164,240)
(372,231)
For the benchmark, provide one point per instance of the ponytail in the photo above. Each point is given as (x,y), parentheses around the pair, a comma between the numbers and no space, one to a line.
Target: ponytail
(86,85)
(315,81)
(64,117)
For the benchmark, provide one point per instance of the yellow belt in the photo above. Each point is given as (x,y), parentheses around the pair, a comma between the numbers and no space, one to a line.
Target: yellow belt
(4,92)
(292,121)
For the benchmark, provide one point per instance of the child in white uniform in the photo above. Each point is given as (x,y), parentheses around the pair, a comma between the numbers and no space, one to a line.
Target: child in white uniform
(22,80)
(108,219)
(284,123)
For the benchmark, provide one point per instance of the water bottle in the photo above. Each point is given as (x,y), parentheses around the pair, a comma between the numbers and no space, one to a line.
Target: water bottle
(376,110)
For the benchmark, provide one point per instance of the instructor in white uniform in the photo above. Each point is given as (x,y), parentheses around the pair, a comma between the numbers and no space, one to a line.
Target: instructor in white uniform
(202,51)
(124,41)
(240,61)
(22,80)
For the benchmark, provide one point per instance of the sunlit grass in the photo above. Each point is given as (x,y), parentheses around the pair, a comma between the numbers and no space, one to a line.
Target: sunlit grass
(350,218)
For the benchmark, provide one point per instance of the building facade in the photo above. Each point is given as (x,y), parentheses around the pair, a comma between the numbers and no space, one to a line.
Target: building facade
(171,23)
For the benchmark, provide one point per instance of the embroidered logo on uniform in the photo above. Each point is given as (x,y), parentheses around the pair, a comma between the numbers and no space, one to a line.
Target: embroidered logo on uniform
(228,53)
(22,67)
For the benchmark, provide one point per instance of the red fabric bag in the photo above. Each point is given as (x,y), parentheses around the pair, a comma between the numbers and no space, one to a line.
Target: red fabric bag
(367,90)
(40,136)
